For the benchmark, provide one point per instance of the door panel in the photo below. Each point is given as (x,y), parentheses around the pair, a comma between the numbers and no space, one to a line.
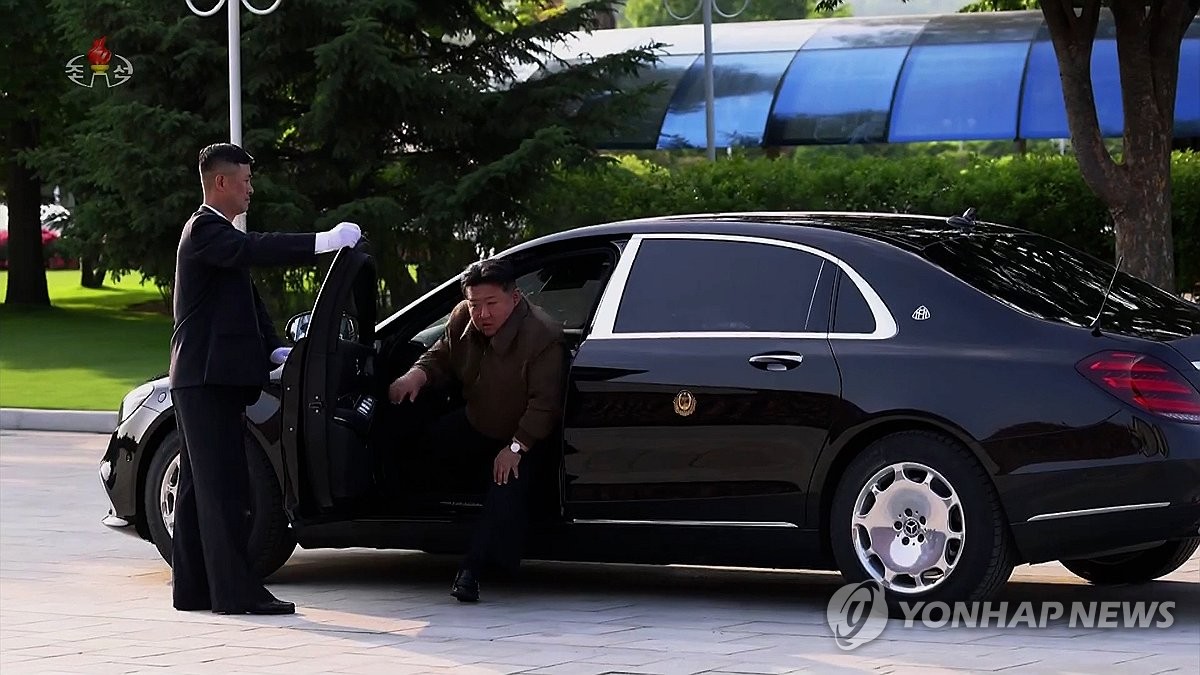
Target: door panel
(743,451)
(327,408)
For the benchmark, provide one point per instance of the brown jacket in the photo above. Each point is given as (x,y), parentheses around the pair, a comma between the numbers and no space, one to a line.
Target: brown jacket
(513,383)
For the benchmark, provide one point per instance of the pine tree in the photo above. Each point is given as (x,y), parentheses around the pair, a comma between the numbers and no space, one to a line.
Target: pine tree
(414,119)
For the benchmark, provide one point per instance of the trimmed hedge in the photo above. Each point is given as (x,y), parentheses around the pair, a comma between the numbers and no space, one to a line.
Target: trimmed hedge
(1042,193)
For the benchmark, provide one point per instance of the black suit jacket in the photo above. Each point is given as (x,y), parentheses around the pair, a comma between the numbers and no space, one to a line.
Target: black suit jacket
(223,334)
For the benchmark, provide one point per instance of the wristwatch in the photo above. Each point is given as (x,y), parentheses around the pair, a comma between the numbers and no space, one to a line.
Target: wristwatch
(515,447)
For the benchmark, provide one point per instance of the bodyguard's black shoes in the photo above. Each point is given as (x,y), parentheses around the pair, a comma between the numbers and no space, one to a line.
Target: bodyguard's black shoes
(466,587)
(271,606)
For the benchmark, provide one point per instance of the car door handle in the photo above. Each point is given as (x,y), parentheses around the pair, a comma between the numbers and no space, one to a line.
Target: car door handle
(776,362)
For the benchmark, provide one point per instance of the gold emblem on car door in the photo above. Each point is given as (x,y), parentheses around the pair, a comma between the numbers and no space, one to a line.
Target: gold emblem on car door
(685,403)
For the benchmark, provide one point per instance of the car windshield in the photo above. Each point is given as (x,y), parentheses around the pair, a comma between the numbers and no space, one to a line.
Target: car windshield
(1049,280)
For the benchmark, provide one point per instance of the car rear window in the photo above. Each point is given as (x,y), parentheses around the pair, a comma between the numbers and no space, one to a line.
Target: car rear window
(1050,280)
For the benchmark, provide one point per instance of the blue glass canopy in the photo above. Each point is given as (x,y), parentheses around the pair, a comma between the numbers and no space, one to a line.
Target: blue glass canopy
(981,76)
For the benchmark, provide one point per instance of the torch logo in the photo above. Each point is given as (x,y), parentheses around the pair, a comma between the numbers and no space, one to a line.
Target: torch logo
(99,62)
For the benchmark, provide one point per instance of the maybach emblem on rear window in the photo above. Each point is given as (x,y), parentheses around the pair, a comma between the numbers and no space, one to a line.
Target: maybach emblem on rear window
(921,313)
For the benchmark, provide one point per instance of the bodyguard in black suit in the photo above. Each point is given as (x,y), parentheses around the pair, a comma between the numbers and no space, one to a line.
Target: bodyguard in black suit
(221,354)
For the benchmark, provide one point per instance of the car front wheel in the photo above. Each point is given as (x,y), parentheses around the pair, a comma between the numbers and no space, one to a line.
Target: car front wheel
(1135,567)
(917,514)
(270,542)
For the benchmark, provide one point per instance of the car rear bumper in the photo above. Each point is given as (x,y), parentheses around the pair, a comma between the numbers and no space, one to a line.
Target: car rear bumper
(1085,508)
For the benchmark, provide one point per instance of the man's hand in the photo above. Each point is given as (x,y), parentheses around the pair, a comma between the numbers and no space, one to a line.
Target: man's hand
(280,355)
(506,461)
(342,234)
(406,386)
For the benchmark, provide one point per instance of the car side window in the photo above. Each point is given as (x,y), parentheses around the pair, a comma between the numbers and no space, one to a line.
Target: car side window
(697,285)
(568,288)
(852,313)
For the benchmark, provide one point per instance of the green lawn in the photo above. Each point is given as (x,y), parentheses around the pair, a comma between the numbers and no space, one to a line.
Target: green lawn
(86,351)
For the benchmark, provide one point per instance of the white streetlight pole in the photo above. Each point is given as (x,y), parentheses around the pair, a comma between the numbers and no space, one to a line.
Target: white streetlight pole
(235,67)
(707,6)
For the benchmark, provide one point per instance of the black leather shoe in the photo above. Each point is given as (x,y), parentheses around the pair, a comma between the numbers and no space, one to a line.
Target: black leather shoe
(264,607)
(466,587)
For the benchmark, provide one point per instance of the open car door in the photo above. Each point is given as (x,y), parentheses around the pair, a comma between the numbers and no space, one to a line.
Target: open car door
(327,405)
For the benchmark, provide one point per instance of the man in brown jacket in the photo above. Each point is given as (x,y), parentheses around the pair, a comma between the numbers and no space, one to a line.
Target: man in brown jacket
(508,357)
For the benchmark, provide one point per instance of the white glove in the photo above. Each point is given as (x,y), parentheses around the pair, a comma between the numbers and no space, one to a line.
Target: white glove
(280,355)
(342,234)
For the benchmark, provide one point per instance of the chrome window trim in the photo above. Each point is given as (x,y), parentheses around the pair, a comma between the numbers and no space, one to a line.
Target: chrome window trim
(1092,512)
(698,523)
(610,301)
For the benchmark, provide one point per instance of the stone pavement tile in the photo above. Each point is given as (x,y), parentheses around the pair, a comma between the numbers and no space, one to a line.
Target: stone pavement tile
(10,642)
(252,662)
(694,647)
(1085,660)
(531,657)
(757,669)
(617,658)
(781,628)
(457,633)
(927,670)
(680,665)
(571,639)
(186,659)
(1053,638)
(575,668)
(682,634)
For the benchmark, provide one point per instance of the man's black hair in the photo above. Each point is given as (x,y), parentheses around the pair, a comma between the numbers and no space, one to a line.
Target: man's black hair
(223,153)
(492,271)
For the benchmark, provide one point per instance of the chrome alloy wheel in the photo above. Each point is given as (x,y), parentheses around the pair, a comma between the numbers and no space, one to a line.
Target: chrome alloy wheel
(167,493)
(908,528)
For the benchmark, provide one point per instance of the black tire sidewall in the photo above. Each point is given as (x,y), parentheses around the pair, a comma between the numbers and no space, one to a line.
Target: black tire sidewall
(985,555)
(164,454)
(270,541)
(1142,567)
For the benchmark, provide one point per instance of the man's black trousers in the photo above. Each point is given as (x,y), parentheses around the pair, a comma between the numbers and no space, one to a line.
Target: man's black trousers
(210,568)
(454,449)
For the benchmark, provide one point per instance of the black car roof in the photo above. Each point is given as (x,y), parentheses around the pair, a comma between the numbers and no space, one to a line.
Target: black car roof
(910,232)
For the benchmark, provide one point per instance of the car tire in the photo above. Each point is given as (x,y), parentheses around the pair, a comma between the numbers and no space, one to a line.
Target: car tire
(955,520)
(1136,567)
(270,542)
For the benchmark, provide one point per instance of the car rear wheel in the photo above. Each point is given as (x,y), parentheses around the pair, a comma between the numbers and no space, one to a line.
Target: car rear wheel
(270,543)
(1135,567)
(918,515)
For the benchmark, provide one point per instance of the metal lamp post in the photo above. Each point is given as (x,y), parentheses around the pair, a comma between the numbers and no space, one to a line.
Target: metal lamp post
(235,67)
(707,7)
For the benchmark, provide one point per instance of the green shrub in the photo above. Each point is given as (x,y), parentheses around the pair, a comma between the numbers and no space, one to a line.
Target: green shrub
(1042,193)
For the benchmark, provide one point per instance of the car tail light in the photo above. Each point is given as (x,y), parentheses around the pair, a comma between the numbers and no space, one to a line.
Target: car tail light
(1145,382)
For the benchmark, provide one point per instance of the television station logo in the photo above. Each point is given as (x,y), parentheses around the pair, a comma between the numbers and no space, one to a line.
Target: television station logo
(97,62)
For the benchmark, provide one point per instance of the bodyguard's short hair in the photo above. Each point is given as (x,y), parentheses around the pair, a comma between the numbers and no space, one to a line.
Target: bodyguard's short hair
(217,154)
(496,271)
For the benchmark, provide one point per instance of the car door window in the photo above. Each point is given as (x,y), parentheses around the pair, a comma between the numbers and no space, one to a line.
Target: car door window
(700,285)
(853,315)
(568,288)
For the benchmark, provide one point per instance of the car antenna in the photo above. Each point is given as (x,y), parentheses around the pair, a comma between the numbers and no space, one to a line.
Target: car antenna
(1107,292)
(966,221)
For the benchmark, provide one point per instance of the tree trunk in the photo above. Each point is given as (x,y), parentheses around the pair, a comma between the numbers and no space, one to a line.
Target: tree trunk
(90,274)
(26,266)
(1137,191)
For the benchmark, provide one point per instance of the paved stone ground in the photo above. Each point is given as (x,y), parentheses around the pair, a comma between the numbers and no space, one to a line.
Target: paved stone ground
(75,597)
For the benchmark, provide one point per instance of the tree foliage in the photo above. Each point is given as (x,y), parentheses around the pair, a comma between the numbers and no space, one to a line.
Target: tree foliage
(1136,187)
(410,118)
(653,13)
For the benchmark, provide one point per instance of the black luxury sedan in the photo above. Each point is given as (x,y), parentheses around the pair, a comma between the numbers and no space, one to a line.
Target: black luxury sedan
(923,401)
